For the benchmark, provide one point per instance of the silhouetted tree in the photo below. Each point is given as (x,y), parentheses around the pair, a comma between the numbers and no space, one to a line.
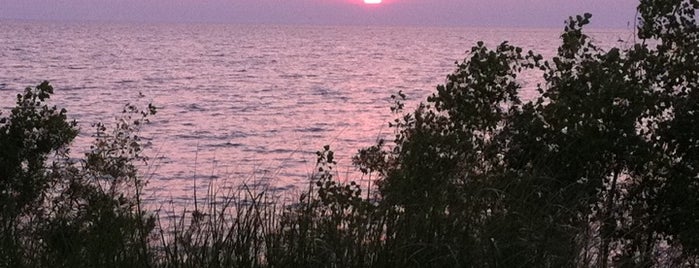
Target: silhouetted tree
(600,169)
(59,212)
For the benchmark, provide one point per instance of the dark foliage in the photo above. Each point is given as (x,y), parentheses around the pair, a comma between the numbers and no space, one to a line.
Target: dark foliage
(60,213)
(600,170)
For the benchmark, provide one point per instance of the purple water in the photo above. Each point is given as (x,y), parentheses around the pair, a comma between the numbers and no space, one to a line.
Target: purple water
(244,103)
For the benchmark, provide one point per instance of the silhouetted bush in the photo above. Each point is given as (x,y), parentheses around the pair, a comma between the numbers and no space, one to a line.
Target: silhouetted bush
(600,170)
(58,212)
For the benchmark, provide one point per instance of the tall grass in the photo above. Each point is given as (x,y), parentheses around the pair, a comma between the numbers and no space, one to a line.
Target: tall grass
(328,225)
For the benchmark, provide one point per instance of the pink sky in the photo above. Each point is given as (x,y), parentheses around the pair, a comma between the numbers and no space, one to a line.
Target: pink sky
(500,13)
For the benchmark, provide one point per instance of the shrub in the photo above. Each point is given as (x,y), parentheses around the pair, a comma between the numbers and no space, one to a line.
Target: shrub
(64,213)
(600,170)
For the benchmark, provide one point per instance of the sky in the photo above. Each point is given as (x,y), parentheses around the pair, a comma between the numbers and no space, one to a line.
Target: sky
(477,13)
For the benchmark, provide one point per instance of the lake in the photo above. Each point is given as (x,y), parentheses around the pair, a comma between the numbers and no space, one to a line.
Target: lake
(245,103)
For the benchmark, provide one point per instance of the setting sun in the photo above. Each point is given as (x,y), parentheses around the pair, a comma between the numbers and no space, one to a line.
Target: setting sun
(372,2)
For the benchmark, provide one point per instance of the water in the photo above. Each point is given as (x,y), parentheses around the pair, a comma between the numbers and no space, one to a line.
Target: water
(244,103)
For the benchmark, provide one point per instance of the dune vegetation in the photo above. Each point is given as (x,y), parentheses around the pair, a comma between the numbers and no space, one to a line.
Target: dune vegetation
(601,170)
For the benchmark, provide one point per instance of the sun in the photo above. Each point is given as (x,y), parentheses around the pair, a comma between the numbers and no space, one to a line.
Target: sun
(372,2)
